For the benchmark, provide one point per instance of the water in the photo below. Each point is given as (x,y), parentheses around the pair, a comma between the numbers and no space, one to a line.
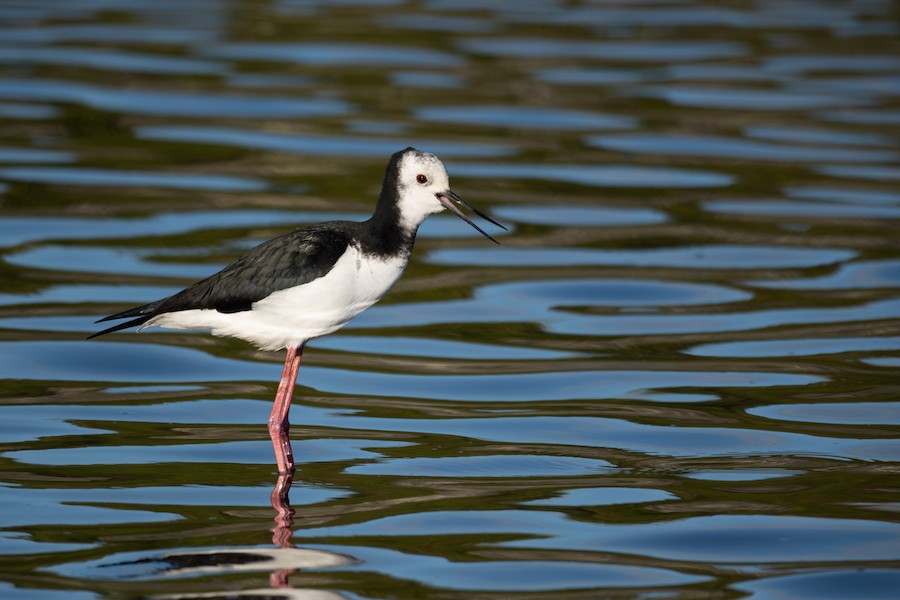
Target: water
(676,378)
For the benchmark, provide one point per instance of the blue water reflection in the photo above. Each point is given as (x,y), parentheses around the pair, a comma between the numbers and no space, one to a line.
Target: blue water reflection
(519,465)
(37,421)
(659,51)
(856,275)
(812,210)
(741,474)
(76,294)
(796,347)
(13,543)
(721,539)
(811,15)
(843,194)
(830,63)
(589,76)
(732,148)
(422,347)
(142,260)
(38,594)
(492,426)
(625,176)
(60,507)
(580,216)
(111,177)
(663,440)
(439,23)
(186,33)
(34,155)
(526,118)
(123,362)
(870,172)
(254,452)
(734,98)
(180,104)
(809,135)
(19,230)
(517,575)
(605,496)
(879,86)
(491,310)
(133,261)
(319,145)
(119,60)
(870,117)
(858,413)
(689,257)
(874,583)
(332,54)
(17,110)
(609,292)
(426,79)
(725,539)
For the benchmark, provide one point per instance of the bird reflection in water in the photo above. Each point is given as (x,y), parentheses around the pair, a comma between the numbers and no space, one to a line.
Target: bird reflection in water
(280,561)
(284,523)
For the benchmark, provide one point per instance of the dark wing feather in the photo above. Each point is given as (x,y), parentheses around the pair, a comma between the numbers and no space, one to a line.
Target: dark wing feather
(289,260)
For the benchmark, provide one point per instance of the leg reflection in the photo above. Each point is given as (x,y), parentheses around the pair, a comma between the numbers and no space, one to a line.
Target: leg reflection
(284,521)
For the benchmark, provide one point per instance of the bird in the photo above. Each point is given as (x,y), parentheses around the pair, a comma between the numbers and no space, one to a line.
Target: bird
(311,281)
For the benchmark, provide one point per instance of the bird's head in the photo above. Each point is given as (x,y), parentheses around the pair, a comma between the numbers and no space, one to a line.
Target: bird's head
(423,188)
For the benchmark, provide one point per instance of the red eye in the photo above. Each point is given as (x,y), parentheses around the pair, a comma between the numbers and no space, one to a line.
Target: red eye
(421,178)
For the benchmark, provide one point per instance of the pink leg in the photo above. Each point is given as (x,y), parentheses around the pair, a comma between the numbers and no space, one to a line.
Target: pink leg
(279,427)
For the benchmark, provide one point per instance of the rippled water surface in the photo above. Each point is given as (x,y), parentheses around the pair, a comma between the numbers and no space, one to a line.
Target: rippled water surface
(675,378)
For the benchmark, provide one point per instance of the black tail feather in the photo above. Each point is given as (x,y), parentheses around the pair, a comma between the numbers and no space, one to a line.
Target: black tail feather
(132,323)
(147,310)
(143,313)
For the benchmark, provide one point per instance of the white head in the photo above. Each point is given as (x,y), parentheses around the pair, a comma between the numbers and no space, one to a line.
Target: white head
(421,177)
(422,187)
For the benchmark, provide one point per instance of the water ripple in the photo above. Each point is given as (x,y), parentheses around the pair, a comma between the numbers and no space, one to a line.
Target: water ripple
(174,104)
(96,176)
(626,176)
(691,257)
(317,145)
(723,147)
(524,117)
(637,51)
(118,60)
(331,55)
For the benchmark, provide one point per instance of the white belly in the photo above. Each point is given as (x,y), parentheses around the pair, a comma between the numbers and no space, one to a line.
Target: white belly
(293,316)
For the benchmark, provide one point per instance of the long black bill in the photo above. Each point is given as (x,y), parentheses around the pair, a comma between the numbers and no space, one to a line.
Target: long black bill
(448,198)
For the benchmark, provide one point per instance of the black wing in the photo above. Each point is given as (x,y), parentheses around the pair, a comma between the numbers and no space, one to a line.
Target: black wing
(292,259)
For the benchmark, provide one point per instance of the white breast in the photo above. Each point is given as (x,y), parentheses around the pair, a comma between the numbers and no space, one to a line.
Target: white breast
(295,315)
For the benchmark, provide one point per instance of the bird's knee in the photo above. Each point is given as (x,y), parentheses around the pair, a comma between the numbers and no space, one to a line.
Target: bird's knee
(278,428)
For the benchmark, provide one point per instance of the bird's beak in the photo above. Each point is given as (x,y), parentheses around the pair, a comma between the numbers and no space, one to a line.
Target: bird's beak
(448,198)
